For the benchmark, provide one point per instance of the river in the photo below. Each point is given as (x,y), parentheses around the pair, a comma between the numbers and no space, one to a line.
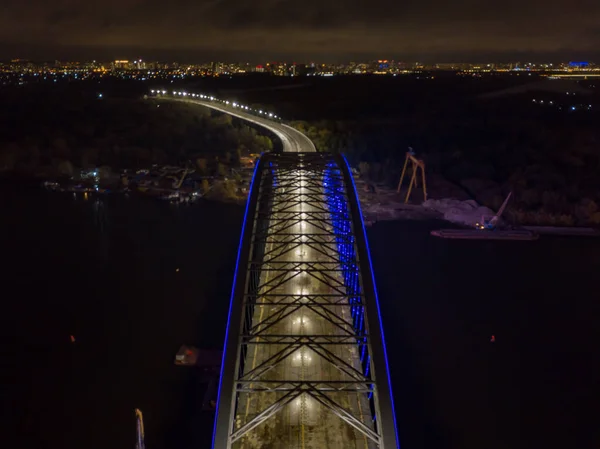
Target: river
(104,270)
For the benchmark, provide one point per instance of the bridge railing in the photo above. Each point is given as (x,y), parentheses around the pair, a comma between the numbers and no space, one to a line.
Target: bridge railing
(315,345)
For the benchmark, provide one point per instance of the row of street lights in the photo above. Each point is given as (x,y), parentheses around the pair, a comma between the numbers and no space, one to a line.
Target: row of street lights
(226,102)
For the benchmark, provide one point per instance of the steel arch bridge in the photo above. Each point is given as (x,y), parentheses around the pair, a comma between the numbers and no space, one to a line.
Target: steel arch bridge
(304,364)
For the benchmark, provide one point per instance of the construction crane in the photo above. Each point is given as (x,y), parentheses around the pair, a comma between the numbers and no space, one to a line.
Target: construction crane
(416,165)
(139,442)
(491,224)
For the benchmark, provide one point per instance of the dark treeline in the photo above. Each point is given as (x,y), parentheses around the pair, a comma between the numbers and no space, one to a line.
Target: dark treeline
(52,131)
(548,157)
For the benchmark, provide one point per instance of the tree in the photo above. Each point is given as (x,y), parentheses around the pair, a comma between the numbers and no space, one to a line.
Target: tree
(230,188)
(265,143)
(222,120)
(89,158)
(9,156)
(238,155)
(205,186)
(201,164)
(60,149)
(221,170)
(65,168)
(364,168)
(105,172)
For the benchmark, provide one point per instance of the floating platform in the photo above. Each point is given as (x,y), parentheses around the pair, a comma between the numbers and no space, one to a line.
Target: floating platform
(209,363)
(564,231)
(476,234)
(187,356)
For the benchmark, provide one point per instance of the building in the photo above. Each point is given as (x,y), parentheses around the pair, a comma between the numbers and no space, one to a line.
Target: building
(121,64)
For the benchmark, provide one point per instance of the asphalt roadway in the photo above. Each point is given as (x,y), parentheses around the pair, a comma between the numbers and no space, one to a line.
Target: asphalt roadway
(303,423)
(293,140)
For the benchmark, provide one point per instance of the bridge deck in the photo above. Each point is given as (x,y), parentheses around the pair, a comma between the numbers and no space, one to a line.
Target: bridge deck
(300,372)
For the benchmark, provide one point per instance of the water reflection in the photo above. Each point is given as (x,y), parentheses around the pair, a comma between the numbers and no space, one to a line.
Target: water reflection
(100,219)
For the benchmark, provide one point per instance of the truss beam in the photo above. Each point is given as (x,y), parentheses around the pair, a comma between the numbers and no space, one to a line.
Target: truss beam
(305,334)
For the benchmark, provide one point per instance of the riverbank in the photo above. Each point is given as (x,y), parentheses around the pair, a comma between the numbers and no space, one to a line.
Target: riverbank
(445,201)
(167,183)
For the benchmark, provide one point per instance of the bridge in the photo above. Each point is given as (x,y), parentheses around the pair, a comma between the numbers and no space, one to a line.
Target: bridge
(304,364)
(293,140)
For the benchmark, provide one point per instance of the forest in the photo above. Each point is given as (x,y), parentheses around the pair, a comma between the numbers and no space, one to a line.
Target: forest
(54,132)
(552,171)
(549,157)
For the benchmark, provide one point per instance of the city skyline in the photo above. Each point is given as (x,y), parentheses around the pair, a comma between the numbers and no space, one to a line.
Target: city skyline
(20,72)
(430,30)
(266,65)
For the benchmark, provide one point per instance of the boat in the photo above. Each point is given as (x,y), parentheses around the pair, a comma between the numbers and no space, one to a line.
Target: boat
(49,185)
(476,234)
(171,196)
(187,356)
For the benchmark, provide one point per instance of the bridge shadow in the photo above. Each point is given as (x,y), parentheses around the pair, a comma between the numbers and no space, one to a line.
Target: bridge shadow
(190,425)
(420,425)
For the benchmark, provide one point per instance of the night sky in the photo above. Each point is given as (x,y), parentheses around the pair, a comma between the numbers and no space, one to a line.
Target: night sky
(334,30)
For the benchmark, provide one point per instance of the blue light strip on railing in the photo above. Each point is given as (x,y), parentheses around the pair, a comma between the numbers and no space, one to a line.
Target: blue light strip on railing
(237,266)
(387,367)
(342,230)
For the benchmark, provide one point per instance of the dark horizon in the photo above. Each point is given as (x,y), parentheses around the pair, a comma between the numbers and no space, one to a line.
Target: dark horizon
(43,53)
(427,30)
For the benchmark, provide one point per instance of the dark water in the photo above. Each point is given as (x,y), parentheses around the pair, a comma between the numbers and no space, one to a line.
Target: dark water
(104,271)
(537,386)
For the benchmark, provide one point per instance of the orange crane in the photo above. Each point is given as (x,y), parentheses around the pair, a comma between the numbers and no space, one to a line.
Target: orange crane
(416,164)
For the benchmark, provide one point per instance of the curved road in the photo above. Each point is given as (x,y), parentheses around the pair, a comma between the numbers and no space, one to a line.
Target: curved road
(293,140)
(297,237)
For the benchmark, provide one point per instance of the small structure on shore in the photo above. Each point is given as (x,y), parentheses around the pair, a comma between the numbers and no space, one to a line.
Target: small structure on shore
(187,356)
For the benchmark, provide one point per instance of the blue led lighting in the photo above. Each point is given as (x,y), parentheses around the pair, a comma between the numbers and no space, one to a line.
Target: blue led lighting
(387,367)
(237,265)
(344,238)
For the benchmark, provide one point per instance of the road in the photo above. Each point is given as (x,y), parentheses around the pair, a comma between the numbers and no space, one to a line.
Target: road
(293,140)
(310,287)
(301,294)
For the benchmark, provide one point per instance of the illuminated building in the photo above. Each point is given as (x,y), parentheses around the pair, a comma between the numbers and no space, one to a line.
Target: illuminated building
(121,64)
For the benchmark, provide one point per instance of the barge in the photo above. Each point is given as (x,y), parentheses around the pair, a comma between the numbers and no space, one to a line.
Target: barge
(564,231)
(476,234)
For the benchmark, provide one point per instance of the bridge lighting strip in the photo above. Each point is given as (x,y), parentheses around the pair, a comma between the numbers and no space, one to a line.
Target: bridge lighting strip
(387,367)
(337,204)
(237,265)
(226,102)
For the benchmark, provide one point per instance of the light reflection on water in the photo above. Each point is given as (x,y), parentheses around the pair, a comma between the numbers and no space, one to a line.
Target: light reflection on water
(104,270)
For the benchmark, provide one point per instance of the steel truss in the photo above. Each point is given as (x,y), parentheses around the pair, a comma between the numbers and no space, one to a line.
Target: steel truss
(304,350)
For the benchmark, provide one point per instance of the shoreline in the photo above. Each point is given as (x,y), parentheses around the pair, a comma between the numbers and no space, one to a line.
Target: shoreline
(384,205)
(183,195)
(462,212)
